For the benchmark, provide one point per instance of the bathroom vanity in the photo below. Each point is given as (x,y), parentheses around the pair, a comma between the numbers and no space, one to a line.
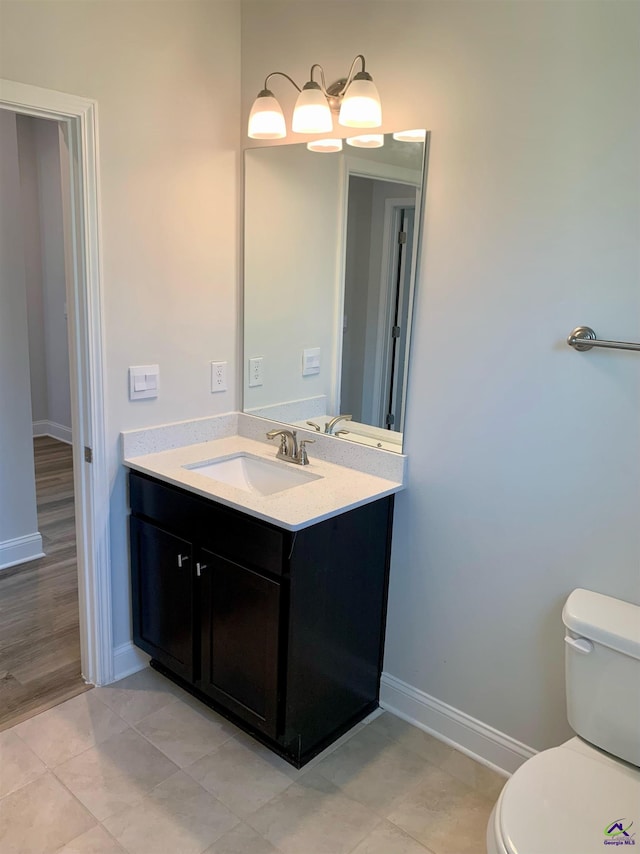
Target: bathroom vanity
(270,604)
(279,627)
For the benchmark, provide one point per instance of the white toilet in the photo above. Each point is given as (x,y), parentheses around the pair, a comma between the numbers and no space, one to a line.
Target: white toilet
(584,796)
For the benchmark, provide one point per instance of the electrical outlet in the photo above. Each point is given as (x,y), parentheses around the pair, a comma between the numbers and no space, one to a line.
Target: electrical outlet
(218,376)
(256,371)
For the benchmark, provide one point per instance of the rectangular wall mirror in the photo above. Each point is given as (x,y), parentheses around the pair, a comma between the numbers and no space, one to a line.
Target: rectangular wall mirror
(330,251)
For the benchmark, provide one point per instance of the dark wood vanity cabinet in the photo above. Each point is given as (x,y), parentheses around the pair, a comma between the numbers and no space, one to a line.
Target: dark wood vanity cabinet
(240,641)
(163,588)
(281,631)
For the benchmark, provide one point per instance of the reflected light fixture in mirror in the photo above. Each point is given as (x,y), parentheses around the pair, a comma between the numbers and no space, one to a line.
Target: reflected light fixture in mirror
(366,140)
(325,146)
(417,135)
(355,97)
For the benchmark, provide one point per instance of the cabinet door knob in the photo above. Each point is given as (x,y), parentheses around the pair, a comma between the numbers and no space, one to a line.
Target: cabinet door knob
(182,559)
(199,568)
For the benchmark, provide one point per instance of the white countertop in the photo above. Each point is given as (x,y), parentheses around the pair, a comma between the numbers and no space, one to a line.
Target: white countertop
(337,489)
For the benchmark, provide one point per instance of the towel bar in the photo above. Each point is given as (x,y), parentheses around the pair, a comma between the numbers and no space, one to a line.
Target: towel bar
(584,338)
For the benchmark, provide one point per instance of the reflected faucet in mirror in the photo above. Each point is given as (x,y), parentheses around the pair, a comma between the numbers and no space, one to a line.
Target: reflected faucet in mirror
(328,320)
(329,427)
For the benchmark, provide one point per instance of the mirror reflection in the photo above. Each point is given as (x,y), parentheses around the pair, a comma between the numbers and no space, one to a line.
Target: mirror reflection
(330,248)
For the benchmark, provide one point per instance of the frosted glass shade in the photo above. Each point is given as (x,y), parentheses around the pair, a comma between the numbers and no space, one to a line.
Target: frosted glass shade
(266,119)
(326,146)
(417,135)
(366,140)
(311,113)
(361,104)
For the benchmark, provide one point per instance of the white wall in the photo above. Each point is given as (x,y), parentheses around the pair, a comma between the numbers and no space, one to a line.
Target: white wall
(40,154)
(18,515)
(165,76)
(524,461)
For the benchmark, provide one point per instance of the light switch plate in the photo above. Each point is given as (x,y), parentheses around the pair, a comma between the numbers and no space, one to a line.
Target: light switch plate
(144,381)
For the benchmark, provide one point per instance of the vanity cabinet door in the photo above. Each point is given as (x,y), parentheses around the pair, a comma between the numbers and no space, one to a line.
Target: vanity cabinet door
(162,577)
(240,626)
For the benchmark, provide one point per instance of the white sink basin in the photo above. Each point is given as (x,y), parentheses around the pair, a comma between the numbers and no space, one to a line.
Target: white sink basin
(253,474)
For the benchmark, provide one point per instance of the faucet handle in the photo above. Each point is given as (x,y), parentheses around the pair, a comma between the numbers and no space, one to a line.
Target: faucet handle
(315,426)
(303,457)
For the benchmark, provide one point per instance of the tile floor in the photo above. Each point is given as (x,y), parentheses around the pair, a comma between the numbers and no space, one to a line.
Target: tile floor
(141,767)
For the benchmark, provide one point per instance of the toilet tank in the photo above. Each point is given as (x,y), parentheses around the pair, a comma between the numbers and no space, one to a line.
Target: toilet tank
(602,660)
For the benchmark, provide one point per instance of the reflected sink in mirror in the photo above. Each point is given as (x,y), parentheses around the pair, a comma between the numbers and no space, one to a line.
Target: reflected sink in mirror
(253,474)
(364,434)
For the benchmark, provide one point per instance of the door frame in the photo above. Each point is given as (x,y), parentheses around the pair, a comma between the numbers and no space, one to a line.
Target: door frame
(79,121)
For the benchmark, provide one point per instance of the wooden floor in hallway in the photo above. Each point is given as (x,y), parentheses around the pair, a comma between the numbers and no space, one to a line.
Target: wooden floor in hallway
(39,628)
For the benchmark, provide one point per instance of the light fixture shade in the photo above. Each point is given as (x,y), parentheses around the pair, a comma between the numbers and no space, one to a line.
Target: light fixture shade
(311,113)
(361,104)
(366,140)
(417,135)
(266,119)
(325,146)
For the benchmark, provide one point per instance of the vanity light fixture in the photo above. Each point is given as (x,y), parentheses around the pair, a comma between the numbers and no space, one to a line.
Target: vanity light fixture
(325,146)
(417,135)
(311,113)
(355,96)
(366,140)
(266,119)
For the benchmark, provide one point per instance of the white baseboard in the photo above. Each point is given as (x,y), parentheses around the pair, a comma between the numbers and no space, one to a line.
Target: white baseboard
(468,735)
(20,550)
(128,659)
(50,428)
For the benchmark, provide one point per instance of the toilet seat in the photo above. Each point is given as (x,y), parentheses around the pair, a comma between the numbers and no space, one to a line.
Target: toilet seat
(562,800)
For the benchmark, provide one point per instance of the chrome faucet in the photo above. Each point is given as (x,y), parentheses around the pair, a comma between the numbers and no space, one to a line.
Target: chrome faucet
(290,450)
(328,427)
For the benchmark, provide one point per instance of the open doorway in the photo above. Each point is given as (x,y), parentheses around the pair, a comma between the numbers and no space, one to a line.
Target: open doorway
(74,119)
(40,663)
